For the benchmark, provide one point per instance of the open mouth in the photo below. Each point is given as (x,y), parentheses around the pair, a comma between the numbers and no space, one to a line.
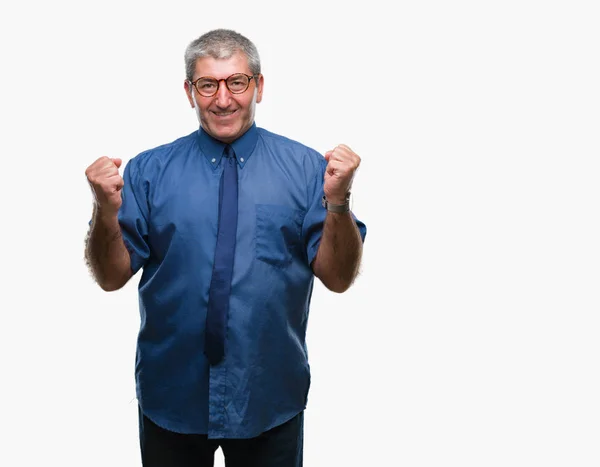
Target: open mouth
(224,114)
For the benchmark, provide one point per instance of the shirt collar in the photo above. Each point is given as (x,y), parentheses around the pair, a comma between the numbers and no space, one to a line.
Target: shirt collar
(243,146)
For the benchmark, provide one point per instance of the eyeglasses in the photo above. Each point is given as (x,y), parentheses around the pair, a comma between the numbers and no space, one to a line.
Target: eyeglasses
(237,83)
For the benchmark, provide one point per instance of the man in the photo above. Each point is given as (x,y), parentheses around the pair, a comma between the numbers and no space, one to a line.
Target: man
(230,225)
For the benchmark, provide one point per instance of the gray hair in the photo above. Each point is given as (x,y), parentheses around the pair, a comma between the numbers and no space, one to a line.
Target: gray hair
(220,43)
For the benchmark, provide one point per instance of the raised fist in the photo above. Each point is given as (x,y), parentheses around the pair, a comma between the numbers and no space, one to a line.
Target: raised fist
(106,183)
(342,163)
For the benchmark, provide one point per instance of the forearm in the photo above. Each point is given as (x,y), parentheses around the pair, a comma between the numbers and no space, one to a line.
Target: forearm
(338,258)
(105,252)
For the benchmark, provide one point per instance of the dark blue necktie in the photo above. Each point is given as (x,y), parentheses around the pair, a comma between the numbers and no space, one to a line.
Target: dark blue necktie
(220,285)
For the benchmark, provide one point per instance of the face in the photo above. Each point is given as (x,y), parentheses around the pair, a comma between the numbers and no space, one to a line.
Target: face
(225,116)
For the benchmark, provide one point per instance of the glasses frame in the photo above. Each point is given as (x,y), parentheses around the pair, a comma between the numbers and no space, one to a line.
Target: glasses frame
(250,78)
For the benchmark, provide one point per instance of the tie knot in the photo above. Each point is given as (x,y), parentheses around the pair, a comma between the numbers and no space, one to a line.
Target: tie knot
(229,152)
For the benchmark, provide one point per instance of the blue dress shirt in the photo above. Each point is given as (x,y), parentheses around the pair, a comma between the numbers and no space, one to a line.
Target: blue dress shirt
(169,220)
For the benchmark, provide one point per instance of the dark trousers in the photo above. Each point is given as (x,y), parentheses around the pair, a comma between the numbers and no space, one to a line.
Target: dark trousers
(281,446)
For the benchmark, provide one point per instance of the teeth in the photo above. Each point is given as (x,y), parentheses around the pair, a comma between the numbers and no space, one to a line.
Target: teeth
(223,114)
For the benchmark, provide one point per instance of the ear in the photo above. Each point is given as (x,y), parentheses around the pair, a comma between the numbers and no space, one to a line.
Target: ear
(260,82)
(188,91)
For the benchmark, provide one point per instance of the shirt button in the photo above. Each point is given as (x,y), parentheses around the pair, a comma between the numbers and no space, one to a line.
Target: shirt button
(241,159)
(214,160)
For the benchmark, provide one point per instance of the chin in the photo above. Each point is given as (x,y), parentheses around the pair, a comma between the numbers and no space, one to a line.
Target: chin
(231,132)
(227,135)
(218,132)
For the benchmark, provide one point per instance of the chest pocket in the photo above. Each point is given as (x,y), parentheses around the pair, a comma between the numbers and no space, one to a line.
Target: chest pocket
(278,234)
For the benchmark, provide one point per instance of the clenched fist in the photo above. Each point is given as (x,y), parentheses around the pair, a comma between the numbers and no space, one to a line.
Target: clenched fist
(342,163)
(106,183)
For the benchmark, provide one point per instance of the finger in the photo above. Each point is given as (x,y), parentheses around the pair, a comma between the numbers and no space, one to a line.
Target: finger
(110,185)
(342,158)
(347,156)
(102,174)
(329,169)
(341,153)
(120,184)
(94,166)
(328,155)
(334,167)
(117,162)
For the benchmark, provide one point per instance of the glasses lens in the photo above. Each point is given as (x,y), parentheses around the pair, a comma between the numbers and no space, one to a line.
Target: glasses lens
(238,83)
(207,86)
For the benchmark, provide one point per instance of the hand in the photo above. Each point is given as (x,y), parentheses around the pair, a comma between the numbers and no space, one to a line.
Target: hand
(106,183)
(342,163)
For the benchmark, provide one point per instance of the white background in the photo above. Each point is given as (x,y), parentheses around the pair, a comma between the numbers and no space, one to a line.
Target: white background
(471,337)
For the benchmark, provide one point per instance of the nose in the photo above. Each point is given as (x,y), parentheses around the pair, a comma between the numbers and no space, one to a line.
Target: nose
(223,96)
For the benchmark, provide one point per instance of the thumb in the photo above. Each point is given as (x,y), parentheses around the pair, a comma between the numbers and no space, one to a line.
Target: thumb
(328,155)
(117,162)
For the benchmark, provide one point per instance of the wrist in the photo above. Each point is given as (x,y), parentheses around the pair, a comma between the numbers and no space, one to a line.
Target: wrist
(338,205)
(106,213)
(336,201)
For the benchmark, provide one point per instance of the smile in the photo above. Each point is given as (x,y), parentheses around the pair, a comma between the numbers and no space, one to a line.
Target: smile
(224,114)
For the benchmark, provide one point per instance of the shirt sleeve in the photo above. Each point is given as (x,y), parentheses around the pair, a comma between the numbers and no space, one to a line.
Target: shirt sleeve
(134,215)
(312,227)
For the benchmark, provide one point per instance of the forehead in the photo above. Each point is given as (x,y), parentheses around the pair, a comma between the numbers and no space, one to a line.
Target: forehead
(222,67)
